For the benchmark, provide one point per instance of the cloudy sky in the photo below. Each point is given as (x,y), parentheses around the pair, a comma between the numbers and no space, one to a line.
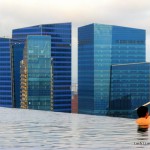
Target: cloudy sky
(21,13)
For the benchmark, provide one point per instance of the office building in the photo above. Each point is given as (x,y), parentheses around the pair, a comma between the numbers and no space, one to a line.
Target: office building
(36,73)
(60,59)
(17,55)
(6,76)
(74,103)
(130,88)
(99,47)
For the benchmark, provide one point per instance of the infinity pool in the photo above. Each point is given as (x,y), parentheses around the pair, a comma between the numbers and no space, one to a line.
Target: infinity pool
(42,130)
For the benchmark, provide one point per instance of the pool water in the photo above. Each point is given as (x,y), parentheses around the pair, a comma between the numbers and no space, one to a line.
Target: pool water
(42,130)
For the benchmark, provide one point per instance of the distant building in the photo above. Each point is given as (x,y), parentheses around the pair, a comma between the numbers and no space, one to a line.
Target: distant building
(74,88)
(61,60)
(36,73)
(74,98)
(74,103)
(17,55)
(130,88)
(99,47)
(6,76)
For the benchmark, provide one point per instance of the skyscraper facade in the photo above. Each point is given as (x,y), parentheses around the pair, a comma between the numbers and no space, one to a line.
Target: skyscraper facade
(60,59)
(37,63)
(99,47)
(6,76)
(130,88)
(17,55)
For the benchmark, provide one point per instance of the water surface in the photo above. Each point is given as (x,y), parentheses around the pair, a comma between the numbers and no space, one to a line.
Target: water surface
(42,130)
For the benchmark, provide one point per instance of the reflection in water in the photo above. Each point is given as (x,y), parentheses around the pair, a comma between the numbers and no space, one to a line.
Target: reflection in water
(30,129)
(142,128)
(142,138)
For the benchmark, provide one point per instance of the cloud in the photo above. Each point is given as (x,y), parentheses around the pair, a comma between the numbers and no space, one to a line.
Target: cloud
(21,13)
(80,12)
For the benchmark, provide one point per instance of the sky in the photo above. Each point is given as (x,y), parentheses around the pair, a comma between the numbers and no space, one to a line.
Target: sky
(128,13)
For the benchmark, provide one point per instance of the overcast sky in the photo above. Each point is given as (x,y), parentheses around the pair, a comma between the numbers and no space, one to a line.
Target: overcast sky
(21,13)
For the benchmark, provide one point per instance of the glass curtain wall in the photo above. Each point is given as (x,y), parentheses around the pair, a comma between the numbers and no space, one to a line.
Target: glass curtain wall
(6,76)
(130,88)
(38,61)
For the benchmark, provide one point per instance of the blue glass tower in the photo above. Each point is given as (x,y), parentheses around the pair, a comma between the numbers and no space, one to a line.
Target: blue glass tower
(99,47)
(61,60)
(130,88)
(17,51)
(18,43)
(6,87)
(37,61)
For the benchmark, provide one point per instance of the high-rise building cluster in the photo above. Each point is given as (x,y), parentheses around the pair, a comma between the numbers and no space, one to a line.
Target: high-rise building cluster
(113,75)
(36,68)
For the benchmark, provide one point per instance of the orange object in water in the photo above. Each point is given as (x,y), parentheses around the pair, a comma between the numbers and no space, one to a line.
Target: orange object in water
(143,121)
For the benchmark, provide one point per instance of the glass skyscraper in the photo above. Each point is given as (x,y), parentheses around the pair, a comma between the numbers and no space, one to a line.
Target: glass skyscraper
(36,80)
(100,46)
(6,76)
(130,88)
(60,59)
(17,55)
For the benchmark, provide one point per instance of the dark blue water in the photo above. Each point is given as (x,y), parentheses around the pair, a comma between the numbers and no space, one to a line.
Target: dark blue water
(40,130)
